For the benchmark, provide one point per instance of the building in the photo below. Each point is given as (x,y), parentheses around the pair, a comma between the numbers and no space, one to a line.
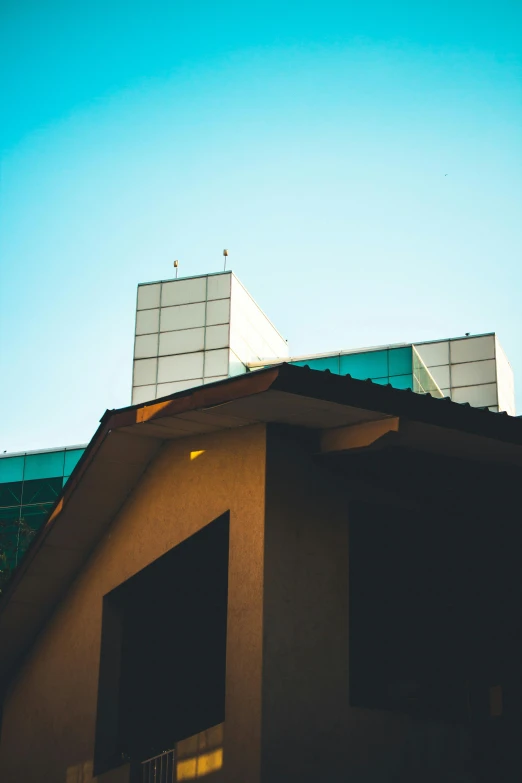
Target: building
(200,329)
(287,575)
(471,369)
(29,485)
(206,328)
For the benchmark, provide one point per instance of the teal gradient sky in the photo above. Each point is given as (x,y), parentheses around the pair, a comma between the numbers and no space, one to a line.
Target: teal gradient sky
(361,161)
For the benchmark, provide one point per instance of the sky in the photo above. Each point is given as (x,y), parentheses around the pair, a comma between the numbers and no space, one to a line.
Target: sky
(362,162)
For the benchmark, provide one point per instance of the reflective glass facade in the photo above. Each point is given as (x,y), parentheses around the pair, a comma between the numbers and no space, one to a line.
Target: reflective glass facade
(29,486)
(401,367)
(423,381)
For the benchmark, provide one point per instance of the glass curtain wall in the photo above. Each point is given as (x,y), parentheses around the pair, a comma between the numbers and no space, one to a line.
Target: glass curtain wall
(400,367)
(389,365)
(423,381)
(29,487)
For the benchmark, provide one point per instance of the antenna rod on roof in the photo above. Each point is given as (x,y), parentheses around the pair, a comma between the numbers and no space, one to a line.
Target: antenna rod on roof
(176,264)
(225,253)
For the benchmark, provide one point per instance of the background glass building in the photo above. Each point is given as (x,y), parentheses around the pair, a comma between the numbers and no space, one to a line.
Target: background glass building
(29,485)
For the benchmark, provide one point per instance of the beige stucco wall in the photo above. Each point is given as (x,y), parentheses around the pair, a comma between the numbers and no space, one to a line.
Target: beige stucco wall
(50,711)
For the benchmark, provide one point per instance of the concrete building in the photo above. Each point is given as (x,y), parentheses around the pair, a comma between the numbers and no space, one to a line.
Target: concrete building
(206,328)
(288,575)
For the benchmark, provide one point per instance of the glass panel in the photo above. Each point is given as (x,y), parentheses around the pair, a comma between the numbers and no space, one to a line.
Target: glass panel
(470,349)
(373,364)
(9,516)
(216,337)
(176,292)
(35,516)
(216,363)
(71,460)
(402,381)
(433,354)
(219,286)
(42,490)
(9,530)
(423,381)
(218,312)
(322,363)
(147,321)
(400,361)
(182,341)
(182,317)
(31,520)
(44,465)
(381,381)
(18,527)
(143,394)
(146,345)
(148,295)
(145,371)
(11,493)
(11,469)
(479,396)
(473,373)
(183,367)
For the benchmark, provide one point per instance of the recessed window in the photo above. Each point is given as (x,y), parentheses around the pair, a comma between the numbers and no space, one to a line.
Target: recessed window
(409,592)
(162,666)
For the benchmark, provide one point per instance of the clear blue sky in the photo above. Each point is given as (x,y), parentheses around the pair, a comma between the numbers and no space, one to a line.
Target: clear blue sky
(361,160)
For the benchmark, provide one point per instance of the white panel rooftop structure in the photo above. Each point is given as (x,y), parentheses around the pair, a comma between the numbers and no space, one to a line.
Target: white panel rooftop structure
(471,369)
(201,329)
(197,330)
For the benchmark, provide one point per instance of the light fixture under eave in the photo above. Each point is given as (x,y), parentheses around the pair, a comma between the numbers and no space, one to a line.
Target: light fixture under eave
(196,454)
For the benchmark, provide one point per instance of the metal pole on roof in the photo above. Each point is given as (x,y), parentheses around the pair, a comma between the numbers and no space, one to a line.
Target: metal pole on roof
(225,254)
(176,264)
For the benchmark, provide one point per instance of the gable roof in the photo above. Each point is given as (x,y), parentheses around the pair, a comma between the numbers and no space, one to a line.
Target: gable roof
(128,439)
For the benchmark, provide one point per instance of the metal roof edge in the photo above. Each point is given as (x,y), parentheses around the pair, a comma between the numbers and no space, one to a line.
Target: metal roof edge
(187,277)
(52,450)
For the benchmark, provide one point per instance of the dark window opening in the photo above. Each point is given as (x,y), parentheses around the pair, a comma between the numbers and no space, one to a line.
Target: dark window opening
(433,612)
(162,666)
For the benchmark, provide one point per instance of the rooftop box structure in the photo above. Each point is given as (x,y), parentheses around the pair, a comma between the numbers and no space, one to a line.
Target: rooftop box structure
(197,330)
(201,329)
